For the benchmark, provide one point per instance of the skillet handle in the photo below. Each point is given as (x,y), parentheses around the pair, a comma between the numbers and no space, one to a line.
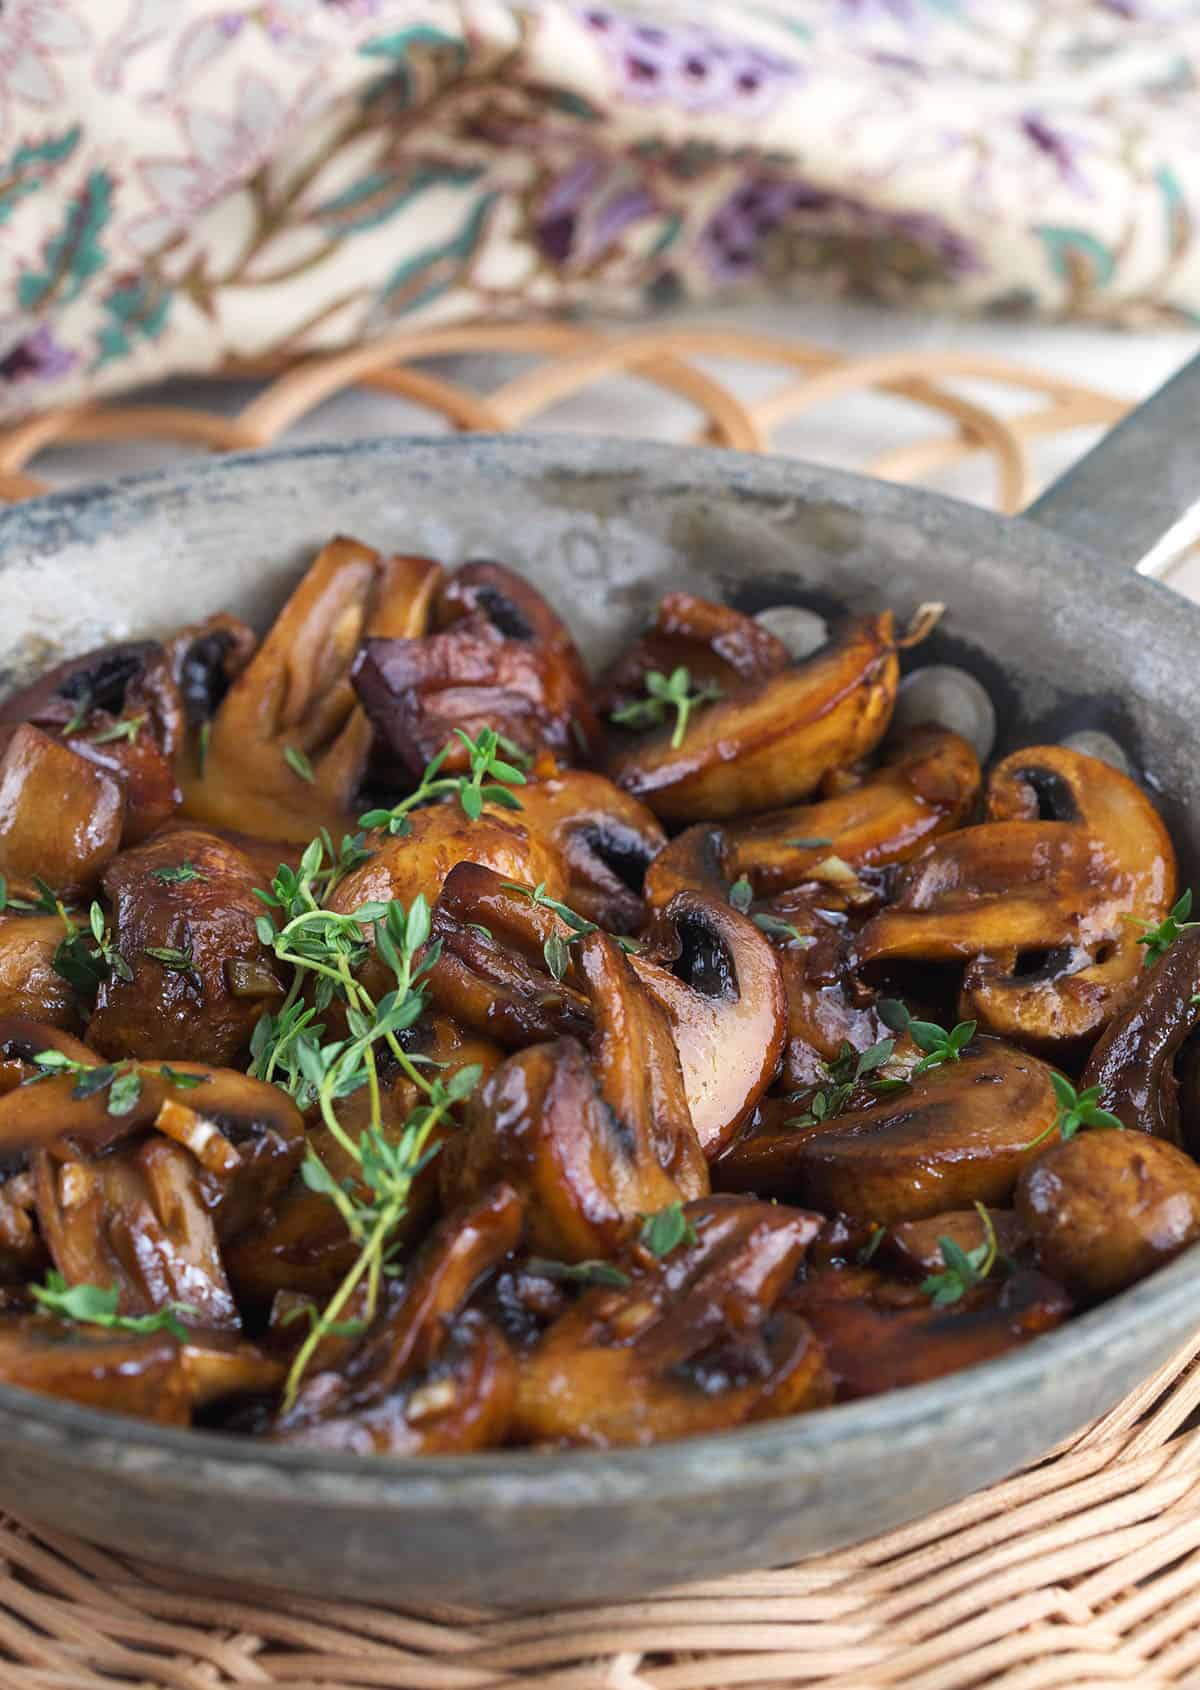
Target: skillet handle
(1135,498)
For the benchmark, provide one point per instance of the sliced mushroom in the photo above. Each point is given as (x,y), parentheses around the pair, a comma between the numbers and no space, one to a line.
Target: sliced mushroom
(605,837)
(292,711)
(1107,1208)
(491,974)
(879,1334)
(60,816)
(959,1134)
(219,1367)
(1134,1062)
(201,977)
(718,980)
(502,659)
(441,836)
(135,1218)
(695,1343)
(117,707)
(717,645)
(915,1247)
(1004,885)
(428,1376)
(123,1372)
(827,1008)
(770,742)
(1072,996)
(30,985)
(927,785)
(205,659)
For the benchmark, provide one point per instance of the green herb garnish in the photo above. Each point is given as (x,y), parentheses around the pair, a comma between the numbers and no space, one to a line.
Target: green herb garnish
(127,730)
(96,1305)
(87,965)
(847,1070)
(488,781)
(1158,940)
(299,764)
(940,1046)
(667,1230)
(83,706)
(964,1268)
(178,874)
(578,1273)
(1076,1109)
(46,902)
(664,694)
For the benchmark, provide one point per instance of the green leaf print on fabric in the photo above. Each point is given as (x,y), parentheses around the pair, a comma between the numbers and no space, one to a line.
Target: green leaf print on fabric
(31,166)
(427,274)
(397,48)
(1077,256)
(75,255)
(381,194)
(133,311)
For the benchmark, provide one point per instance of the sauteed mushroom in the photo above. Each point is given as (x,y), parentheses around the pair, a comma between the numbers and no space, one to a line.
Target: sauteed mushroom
(205,659)
(927,785)
(696,1342)
(429,1375)
(879,1334)
(957,1135)
(607,840)
(718,980)
(122,1372)
(60,816)
(117,707)
(200,978)
(1134,1062)
(501,659)
(718,646)
(770,742)
(289,745)
(1107,1208)
(30,985)
(1073,996)
(590,1143)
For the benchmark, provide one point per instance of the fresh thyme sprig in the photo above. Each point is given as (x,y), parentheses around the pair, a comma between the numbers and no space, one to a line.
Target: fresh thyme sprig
(940,1046)
(1076,1109)
(297,761)
(667,1230)
(46,902)
(741,896)
(126,729)
(1159,939)
(847,1070)
(83,965)
(83,706)
(96,1305)
(555,951)
(964,1268)
(488,781)
(664,694)
(178,874)
(122,1080)
(579,1273)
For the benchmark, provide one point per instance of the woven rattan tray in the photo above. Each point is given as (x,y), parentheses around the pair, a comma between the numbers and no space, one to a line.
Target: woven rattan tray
(1084,1571)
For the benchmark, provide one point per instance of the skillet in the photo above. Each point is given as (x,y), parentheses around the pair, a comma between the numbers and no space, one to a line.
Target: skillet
(1047,610)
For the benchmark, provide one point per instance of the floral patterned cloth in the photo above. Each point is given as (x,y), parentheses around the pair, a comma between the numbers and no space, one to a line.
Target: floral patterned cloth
(185,181)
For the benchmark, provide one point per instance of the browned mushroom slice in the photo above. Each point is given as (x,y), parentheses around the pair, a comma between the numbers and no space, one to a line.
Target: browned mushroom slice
(695,1343)
(541,1124)
(491,974)
(122,1372)
(184,917)
(915,1247)
(770,742)
(927,785)
(1020,885)
(30,985)
(60,815)
(718,980)
(717,645)
(427,1376)
(205,659)
(606,839)
(879,1334)
(135,1218)
(1134,1062)
(959,1134)
(442,836)
(1107,1208)
(118,707)
(292,712)
(1076,991)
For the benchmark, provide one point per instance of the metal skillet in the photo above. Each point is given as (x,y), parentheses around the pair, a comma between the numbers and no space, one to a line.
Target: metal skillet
(1049,611)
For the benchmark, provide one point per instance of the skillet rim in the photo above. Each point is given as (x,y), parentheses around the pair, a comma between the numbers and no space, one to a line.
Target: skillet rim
(710,1465)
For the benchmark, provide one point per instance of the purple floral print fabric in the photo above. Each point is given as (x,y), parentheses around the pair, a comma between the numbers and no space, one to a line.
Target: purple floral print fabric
(185,181)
